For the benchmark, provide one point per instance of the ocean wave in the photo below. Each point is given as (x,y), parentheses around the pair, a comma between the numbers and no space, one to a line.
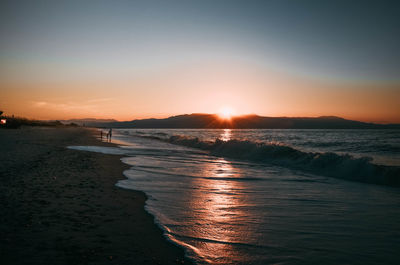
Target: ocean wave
(328,164)
(322,144)
(133,174)
(215,241)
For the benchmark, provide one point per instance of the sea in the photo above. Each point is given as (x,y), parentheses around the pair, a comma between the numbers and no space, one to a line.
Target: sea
(269,196)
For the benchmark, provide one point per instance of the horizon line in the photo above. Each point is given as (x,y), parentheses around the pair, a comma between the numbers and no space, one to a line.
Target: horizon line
(232,117)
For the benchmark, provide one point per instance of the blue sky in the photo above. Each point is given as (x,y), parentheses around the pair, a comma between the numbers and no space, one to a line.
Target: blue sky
(353,40)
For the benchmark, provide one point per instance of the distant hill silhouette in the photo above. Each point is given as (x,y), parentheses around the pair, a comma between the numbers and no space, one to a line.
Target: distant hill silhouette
(213,121)
(88,121)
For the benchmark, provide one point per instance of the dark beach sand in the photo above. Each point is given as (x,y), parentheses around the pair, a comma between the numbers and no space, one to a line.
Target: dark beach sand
(60,206)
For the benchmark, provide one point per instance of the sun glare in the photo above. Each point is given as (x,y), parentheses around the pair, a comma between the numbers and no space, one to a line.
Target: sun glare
(226,113)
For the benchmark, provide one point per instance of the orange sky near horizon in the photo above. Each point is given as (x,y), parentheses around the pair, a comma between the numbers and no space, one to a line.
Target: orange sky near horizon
(199,89)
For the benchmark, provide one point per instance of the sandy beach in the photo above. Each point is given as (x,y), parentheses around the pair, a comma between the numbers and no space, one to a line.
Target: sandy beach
(61,206)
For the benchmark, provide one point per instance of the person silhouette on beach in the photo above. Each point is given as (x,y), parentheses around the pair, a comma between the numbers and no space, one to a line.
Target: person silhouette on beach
(110,134)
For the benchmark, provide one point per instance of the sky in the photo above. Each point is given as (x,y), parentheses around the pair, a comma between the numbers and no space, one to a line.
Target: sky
(139,59)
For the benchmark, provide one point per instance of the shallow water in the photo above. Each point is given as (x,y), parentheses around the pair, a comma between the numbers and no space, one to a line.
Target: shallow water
(240,211)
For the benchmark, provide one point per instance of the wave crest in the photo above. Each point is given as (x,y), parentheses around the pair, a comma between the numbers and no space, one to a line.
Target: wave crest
(328,164)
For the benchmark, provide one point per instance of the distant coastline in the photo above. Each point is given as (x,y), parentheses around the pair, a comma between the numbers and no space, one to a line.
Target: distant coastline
(213,121)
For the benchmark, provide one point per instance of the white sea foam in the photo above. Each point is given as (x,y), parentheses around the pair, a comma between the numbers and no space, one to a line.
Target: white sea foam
(100,149)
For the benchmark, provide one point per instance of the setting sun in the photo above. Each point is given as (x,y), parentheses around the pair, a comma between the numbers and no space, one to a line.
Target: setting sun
(226,113)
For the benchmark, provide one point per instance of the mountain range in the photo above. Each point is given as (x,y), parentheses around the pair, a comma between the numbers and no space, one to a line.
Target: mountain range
(213,121)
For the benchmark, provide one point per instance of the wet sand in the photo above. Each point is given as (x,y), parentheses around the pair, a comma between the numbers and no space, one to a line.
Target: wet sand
(61,206)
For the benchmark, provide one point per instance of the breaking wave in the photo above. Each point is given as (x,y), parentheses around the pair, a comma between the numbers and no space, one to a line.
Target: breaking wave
(328,164)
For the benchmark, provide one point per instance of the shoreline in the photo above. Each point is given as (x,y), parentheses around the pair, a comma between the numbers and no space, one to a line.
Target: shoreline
(61,206)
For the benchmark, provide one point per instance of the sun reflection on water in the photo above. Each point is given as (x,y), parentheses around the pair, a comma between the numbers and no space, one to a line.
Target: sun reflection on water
(226,135)
(220,209)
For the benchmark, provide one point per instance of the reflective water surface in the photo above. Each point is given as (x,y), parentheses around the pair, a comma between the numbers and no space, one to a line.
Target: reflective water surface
(236,212)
